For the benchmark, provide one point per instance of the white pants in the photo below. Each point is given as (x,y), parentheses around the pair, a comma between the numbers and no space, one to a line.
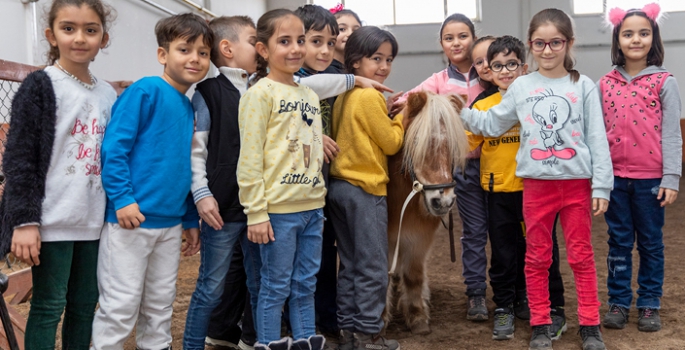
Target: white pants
(137,272)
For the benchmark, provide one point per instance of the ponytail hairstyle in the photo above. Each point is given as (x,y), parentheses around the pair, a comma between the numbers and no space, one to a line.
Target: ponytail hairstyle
(106,13)
(655,56)
(266,27)
(564,25)
(483,83)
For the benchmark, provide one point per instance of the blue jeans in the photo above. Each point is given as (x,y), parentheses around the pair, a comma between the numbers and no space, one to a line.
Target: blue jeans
(216,251)
(289,268)
(635,213)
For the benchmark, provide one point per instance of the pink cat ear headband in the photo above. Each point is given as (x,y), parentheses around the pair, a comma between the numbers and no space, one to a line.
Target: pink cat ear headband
(616,15)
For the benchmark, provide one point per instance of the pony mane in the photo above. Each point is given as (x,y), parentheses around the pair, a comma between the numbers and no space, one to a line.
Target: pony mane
(438,122)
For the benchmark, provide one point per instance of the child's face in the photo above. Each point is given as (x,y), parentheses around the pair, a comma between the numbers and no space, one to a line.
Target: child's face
(347,24)
(78,34)
(378,66)
(635,38)
(479,57)
(185,63)
(505,69)
(320,46)
(456,42)
(244,52)
(285,51)
(550,62)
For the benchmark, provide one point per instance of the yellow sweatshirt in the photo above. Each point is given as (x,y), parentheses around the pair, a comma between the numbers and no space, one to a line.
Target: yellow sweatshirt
(366,137)
(498,157)
(281,153)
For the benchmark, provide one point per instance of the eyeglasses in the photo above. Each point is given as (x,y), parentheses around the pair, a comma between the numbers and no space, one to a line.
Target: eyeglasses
(511,66)
(554,45)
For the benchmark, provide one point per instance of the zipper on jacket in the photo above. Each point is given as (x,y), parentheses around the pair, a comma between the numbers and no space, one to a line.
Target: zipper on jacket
(491,183)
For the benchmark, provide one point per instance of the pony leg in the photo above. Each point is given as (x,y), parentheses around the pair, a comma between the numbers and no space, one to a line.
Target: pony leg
(415,296)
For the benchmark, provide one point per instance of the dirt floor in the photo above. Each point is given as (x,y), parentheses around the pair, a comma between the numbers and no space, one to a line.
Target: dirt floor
(452,331)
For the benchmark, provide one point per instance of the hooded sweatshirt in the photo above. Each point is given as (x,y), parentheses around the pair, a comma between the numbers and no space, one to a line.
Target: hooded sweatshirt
(562,134)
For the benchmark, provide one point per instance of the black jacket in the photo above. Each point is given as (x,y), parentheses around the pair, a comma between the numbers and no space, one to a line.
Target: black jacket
(223,145)
(27,155)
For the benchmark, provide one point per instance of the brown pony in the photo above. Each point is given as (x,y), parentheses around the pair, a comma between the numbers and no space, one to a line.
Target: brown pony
(435,143)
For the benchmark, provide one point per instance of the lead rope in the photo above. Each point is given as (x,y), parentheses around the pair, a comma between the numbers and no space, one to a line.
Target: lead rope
(416,188)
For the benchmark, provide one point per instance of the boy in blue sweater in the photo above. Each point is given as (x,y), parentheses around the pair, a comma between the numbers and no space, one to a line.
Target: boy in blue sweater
(147,176)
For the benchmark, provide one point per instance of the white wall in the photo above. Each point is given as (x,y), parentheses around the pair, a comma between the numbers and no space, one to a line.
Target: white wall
(132,52)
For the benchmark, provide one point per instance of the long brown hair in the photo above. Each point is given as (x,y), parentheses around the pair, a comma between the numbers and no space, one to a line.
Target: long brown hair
(105,12)
(266,27)
(564,25)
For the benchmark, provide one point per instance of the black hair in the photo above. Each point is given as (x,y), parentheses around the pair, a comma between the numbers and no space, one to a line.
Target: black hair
(364,42)
(655,56)
(186,26)
(105,12)
(506,45)
(317,18)
(227,28)
(347,12)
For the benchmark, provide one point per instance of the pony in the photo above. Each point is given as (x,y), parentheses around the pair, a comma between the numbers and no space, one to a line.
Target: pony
(435,145)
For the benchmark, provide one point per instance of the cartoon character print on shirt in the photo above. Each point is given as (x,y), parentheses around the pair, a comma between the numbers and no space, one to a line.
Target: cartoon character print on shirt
(551,112)
(301,135)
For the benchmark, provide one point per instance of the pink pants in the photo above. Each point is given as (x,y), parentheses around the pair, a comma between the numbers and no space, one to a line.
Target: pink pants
(542,200)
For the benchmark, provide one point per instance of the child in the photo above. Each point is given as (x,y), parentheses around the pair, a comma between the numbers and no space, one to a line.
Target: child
(457,35)
(506,58)
(479,57)
(641,104)
(359,175)
(281,188)
(139,257)
(562,146)
(53,205)
(348,22)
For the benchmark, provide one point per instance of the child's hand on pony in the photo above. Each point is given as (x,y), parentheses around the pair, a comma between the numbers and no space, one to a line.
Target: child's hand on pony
(208,209)
(26,244)
(261,233)
(599,206)
(192,245)
(668,195)
(130,217)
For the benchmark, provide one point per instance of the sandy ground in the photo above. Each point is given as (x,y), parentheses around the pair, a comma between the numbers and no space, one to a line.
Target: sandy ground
(452,331)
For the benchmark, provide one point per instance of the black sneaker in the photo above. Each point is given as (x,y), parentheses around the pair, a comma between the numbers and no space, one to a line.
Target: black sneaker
(592,338)
(558,326)
(616,317)
(521,308)
(374,342)
(504,324)
(540,338)
(649,320)
(476,309)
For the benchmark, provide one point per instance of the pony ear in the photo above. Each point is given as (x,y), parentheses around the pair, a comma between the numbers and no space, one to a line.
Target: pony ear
(458,101)
(616,15)
(415,103)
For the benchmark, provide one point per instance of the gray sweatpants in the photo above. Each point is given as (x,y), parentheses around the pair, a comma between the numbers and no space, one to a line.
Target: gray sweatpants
(473,210)
(361,224)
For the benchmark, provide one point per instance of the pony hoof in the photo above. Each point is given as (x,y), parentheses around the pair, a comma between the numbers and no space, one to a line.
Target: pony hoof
(420,328)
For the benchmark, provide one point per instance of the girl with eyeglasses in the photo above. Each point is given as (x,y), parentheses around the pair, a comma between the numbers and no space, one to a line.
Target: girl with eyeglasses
(564,161)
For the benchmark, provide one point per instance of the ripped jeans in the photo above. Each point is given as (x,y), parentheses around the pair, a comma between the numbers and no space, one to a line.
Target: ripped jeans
(635,214)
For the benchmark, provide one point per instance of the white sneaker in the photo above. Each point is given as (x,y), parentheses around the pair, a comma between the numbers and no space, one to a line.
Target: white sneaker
(221,343)
(243,346)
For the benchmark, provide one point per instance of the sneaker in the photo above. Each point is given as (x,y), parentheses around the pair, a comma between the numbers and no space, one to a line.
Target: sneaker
(521,309)
(558,326)
(616,317)
(219,344)
(649,320)
(504,324)
(244,346)
(283,344)
(315,342)
(374,342)
(592,338)
(540,338)
(476,309)
(346,340)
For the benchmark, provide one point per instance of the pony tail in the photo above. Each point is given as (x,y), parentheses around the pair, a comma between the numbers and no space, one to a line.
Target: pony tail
(575,75)
(262,65)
